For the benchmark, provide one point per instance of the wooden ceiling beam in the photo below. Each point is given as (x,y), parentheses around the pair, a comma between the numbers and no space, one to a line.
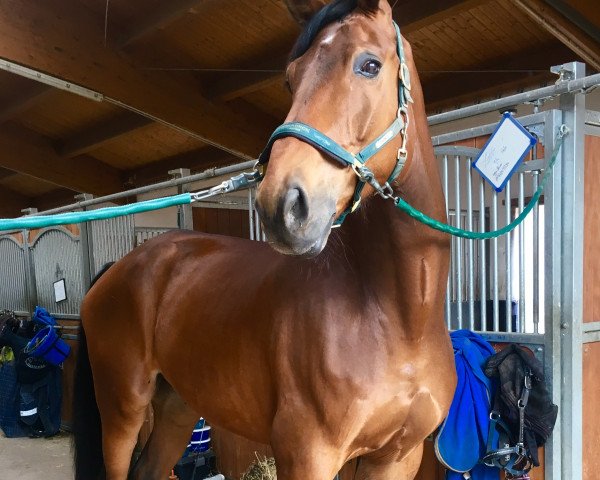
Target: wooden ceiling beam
(102,133)
(412,15)
(196,160)
(6,173)
(64,39)
(526,68)
(159,17)
(25,151)
(258,75)
(11,203)
(547,17)
(238,84)
(506,86)
(55,198)
(23,100)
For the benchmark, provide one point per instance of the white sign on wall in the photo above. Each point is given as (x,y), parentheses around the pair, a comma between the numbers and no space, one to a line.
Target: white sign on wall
(504,152)
(60,291)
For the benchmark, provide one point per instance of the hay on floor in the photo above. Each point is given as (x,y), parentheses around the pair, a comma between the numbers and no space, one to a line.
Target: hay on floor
(261,469)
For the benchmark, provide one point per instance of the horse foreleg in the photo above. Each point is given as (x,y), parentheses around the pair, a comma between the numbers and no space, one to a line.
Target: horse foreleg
(300,451)
(173,424)
(389,468)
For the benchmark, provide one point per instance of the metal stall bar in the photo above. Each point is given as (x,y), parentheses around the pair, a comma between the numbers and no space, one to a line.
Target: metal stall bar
(482,259)
(458,242)
(445,185)
(552,294)
(251,212)
(566,87)
(572,196)
(521,317)
(32,293)
(258,231)
(494,252)
(185,216)
(210,173)
(536,256)
(86,247)
(470,244)
(508,256)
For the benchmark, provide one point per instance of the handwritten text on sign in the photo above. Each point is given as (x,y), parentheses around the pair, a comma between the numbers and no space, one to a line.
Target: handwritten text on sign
(504,152)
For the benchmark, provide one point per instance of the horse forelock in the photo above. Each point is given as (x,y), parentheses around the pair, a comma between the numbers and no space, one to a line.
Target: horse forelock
(332,12)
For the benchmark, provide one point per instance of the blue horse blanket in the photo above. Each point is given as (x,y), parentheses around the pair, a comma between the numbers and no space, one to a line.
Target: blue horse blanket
(462,438)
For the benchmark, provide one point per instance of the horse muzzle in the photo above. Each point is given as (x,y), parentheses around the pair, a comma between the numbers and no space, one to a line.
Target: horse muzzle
(294,222)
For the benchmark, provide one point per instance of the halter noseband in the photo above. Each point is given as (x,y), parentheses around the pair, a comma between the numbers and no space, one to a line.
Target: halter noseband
(357,161)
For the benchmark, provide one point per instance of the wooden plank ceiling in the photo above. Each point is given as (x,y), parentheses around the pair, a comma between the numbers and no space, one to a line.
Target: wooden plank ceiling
(207,76)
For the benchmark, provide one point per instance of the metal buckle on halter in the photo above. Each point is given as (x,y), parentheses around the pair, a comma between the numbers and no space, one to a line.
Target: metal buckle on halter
(260,168)
(362,171)
(402,151)
(404,75)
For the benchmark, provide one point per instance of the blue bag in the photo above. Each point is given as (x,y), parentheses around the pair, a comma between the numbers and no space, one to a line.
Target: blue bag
(462,438)
(41,316)
(9,402)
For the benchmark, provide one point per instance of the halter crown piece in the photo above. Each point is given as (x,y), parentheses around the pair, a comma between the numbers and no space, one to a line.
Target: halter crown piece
(357,161)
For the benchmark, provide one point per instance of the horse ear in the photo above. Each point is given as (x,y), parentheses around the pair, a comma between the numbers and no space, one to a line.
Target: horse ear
(303,10)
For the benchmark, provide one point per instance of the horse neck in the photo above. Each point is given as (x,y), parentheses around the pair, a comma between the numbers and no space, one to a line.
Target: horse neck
(402,263)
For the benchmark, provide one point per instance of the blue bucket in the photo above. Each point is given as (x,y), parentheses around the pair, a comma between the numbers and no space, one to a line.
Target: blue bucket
(199,446)
(47,345)
(200,441)
(200,434)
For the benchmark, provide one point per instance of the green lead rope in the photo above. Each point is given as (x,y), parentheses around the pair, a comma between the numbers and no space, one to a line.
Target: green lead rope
(459,232)
(43,221)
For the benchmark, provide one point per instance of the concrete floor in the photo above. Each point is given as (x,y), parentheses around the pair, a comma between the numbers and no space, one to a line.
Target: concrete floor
(36,458)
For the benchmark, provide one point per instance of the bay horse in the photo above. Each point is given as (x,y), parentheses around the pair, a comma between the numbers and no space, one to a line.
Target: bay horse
(326,344)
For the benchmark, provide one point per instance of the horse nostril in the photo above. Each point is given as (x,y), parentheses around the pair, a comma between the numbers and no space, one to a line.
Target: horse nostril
(295,208)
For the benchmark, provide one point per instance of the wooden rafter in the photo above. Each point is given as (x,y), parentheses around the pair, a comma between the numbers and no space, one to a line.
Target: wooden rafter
(6,173)
(410,14)
(99,134)
(241,83)
(23,100)
(55,198)
(11,203)
(567,32)
(27,152)
(529,67)
(64,39)
(159,17)
(195,160)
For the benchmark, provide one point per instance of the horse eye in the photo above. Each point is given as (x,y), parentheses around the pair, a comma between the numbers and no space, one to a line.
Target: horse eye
(370,68)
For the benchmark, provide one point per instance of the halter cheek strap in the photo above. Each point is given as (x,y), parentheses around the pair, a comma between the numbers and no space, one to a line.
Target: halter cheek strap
(357,161)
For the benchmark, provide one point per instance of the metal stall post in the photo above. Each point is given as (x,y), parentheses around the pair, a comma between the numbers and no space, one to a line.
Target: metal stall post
(571,170)
(552,295)
(32,296)
(185,218)
(87,246)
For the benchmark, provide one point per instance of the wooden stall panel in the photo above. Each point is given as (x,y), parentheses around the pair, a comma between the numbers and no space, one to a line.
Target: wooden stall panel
(234,223)
(591,239)
(68,376)
(591,424)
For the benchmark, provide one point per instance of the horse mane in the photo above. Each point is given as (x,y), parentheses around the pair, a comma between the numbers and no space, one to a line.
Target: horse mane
(334,11)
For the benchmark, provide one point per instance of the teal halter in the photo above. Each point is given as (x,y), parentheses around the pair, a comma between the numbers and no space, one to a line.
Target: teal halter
(358,161)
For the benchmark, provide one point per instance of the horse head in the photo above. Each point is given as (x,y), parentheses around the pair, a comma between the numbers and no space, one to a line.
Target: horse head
(343,74)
